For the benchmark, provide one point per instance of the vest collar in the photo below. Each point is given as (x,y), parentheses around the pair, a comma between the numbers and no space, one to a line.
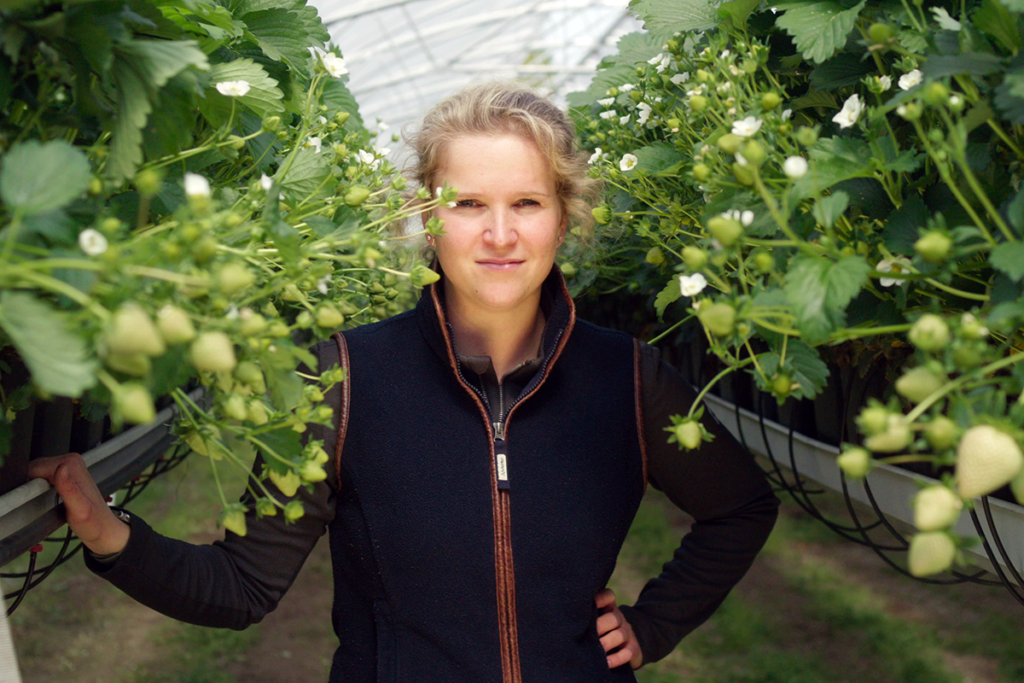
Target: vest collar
(561,318)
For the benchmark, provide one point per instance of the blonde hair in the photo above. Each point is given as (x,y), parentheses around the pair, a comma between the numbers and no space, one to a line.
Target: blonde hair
(508,107)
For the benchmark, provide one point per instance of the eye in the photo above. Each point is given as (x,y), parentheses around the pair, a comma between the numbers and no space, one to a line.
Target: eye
(528,202)
(466,203)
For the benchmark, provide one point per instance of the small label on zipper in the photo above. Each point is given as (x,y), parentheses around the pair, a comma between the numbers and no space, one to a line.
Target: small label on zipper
(501,463)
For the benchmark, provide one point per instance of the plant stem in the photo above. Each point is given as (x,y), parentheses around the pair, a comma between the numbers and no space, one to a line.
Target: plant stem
(960,381)
(714,380)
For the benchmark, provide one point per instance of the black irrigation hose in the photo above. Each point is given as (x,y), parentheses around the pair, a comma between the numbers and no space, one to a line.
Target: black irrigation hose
(24,588)
(992,558)
(1002,550)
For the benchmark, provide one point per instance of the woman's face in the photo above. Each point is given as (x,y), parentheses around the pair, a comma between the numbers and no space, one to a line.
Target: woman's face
(500,238)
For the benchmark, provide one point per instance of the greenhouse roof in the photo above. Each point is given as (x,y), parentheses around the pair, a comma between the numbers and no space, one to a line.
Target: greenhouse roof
(405,55)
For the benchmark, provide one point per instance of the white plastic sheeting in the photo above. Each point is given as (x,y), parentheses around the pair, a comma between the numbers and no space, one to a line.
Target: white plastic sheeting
(405,55)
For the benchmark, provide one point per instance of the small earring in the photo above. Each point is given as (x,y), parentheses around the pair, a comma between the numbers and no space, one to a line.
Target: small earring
(430,240)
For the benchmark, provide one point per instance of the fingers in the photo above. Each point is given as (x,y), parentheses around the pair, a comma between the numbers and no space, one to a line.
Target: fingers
(629,654)
(46,468)
(604,598)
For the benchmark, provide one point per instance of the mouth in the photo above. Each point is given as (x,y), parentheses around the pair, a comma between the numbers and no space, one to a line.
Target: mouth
(500,264)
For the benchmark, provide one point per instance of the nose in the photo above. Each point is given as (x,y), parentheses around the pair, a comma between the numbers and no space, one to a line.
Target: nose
(501,230)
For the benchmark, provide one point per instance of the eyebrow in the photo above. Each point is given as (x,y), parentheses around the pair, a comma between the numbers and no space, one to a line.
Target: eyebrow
(474,195)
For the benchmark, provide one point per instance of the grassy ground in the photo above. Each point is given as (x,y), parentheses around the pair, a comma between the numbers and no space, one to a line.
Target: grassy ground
(814,609)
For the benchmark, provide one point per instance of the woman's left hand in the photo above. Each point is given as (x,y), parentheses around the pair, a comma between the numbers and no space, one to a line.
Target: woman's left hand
(616,634)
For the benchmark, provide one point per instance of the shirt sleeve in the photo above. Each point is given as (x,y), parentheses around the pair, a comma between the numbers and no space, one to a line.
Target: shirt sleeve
(234,582)
(722,488)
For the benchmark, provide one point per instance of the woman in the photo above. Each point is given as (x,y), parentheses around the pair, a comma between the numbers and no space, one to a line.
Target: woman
(491,452)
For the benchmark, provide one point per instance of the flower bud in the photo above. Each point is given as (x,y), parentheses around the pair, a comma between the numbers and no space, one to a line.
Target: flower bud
(698,103)
(936,94)
(744,174)
(754,153)
(701,172)
(730,143)
(602,214)
(764,262)
(272,123)
(655,256)
(806,136)
(147,182)
(880,33)
(933,246)
(770,100)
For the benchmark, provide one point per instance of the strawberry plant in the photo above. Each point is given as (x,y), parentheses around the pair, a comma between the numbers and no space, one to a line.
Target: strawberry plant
(822,177)
(188,192)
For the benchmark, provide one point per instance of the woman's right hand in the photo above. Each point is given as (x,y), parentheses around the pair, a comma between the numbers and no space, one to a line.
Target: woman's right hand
(88,514)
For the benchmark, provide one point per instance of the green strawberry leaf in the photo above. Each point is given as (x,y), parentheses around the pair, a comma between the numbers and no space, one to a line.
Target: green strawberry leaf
(42,177)
(827,210)
(666,296)
(664,18)
(819,290)
(819,29)
(1008,257)
(58,358)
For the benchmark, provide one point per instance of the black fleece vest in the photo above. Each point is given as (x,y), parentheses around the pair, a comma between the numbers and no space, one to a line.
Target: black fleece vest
(443,574)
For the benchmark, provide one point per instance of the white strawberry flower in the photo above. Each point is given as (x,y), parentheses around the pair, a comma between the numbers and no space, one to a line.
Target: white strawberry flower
(628,162)
(679,79)
(607,102)
(595,157)
(334,64)
(899,265)
(725,54)
(645,113)
(746,127)
(724,88)
(885,82)
(438,192)
(911,79)
(266,182)
(850,112)
(734,70)
(609,114)
(623,120)
(655,59)
(787,114)
(92,242)
(626,87)
(692,285)
(196,185)
(795,167)
(233,88)
(323,283)
(366,157)
(315,143)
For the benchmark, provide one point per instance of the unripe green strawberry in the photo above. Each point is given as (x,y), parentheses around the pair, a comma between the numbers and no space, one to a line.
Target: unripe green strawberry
(701,172)
(293,511)
(719,318)
(730,143)
(933,246)
(95,186)
(936,507)
(655,256)
(134,404)
(855,462)
(896,437)
(341,117)
(277,329)
(256,412)
(272,123)
(919,383)
(705,76)
(770,100)
(234,407)
(320,456)
(880,33)
(251,323)
(971,327)
(312,472)
(673,124)
(936,94)
(134,364)
(782,385)
(195,441)
(695,258)
(204,249)
(347,307)
(422,276)
(147,182)
(233,278)
(175,326)
(131,331)
(250,373)
(764,262)
(356,195)
(328,317)
(213,352)
(236,144)
(941,433)
(689,435)
(233,520)
(265,508)
(929,333)
(969,353)
(602,214)
(806,136)
(725,230)
(754,153)
(744,174)
(287,483)
(568,269)
(636,95)
(930,553)
(304,320)
(986,460)
(698,103)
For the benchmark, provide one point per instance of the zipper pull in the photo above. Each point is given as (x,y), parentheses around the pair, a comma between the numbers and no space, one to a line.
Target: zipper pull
(501,455)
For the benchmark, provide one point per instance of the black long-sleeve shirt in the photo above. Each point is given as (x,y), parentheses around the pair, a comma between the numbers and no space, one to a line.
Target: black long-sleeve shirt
(236,582)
